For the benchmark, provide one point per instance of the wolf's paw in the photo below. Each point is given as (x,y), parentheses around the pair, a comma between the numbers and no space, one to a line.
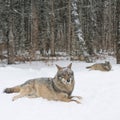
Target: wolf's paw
(77,101)
(78,97)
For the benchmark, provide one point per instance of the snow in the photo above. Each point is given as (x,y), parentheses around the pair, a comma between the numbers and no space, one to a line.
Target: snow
(100,92)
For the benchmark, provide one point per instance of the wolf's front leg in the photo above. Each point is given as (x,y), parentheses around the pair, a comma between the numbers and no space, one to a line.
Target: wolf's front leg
(79,97)
(66,98)
(71,100)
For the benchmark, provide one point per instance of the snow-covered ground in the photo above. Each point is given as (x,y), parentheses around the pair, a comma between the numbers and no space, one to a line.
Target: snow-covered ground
(100,92)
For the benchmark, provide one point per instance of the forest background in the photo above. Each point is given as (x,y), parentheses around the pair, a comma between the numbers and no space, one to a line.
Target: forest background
(85,30)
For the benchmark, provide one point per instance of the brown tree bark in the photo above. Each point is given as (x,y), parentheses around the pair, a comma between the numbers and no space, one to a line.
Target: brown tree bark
(52,29)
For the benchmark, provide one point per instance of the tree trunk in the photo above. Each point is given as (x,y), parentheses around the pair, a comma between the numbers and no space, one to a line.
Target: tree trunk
(10,46)
(34,29)
(69,27)
(52,29)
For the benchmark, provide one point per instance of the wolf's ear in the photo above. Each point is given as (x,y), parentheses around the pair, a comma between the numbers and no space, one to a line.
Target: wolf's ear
(69,66)
(58,67)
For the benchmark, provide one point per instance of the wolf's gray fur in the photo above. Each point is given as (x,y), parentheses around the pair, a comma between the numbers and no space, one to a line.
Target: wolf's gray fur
(58,88)
(101,66)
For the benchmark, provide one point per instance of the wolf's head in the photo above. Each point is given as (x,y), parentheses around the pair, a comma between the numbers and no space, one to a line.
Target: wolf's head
(64,79)
(107,65)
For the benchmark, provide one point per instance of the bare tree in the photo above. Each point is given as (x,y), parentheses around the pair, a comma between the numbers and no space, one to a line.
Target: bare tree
(69,27)
(52,28)
(10,45)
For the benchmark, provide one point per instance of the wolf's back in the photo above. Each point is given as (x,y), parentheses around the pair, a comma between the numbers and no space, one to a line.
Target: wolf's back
(12,89)
(95,67)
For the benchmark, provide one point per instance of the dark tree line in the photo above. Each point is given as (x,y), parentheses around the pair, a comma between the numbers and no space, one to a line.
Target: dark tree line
(80,29)
(118,31)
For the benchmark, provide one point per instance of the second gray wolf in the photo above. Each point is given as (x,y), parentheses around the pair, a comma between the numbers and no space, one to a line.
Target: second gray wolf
(101,66)
(58,88)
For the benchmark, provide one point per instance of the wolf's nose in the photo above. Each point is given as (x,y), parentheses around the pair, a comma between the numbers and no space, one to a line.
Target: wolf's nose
(68,80)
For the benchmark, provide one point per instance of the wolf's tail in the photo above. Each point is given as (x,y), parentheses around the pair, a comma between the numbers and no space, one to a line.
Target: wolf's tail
(12,90)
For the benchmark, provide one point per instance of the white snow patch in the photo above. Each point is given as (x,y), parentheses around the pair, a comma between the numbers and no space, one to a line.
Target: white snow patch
(100,92)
